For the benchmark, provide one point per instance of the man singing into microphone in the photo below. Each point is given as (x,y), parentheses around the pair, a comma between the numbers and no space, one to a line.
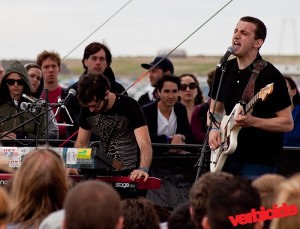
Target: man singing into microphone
(260,140)
(119,123)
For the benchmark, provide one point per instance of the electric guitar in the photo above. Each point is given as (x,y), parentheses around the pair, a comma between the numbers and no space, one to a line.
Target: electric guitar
(229,130)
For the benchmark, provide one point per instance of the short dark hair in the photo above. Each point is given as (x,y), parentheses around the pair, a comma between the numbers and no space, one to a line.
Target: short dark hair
(200,190)
(181,217)
(261,29)
(91,86)
(230,198)
(93,48)
(167,78)
(92,204)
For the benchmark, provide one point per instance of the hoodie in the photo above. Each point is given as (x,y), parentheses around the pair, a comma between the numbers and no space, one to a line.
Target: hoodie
(11,116)
(15,67)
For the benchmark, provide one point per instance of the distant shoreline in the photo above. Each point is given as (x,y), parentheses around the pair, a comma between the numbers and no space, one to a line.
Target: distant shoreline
(199,65)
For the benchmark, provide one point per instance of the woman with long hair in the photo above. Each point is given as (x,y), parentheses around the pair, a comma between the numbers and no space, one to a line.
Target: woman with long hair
(190,93)
(39,187)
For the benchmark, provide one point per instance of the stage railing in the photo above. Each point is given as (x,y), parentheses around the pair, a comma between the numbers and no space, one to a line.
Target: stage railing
(289,159)
(177,171)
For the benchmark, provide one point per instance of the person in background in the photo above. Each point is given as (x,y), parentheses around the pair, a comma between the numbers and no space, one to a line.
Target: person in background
(37,85)
(39,187)
(15,83)
(2,72)
(190,93)
(199,115)
(200,191)
(93,205)
(4,208)
(229,199)
(164,66)
(36,79)
(267,186)
(96,59)
(168,123)
(181,218)
(167,118)
(260,139)
(288,194)
(50,63)
(292,138)
(139,213)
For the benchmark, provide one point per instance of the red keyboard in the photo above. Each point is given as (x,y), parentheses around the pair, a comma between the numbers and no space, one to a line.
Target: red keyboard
(119,182)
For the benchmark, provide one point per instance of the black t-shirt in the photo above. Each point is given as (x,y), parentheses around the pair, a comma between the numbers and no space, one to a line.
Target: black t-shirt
(254,145)
(115,129)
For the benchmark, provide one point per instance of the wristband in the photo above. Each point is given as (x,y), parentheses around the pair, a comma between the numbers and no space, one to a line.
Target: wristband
(215,128)
(144,169)
(169,139)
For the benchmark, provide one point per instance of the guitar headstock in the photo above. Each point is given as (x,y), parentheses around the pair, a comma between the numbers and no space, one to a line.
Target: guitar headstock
(264,92)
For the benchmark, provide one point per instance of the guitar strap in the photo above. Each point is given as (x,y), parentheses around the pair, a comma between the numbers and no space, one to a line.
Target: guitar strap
(249,90)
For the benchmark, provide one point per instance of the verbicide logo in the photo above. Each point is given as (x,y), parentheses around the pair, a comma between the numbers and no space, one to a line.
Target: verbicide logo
(264,214)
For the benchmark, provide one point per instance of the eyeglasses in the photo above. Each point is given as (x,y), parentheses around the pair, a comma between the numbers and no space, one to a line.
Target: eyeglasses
(94,106)
(192,86)
(12,82)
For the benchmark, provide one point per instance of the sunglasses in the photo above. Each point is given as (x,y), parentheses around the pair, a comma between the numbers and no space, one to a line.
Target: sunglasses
(192,86)
(12,82)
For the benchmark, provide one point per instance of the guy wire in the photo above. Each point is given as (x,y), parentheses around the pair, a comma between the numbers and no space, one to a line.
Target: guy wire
(99,27)
(169,53)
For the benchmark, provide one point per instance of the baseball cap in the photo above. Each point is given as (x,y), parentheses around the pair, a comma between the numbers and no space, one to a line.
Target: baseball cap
(165,64)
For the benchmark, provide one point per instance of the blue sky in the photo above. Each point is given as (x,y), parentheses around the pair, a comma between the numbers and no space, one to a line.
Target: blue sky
(143,27)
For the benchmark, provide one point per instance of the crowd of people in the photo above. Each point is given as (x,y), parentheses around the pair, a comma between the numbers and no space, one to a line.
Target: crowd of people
(42,196)
(174,113)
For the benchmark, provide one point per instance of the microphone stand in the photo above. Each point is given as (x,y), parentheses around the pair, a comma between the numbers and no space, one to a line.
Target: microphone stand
(47,115)
(10,117)
(200,161)
(24,123)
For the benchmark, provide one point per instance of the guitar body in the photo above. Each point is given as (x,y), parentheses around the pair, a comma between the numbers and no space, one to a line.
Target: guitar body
(229,130)
(229,133)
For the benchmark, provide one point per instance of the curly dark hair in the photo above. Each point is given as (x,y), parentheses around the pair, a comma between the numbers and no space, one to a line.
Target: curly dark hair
(91,86)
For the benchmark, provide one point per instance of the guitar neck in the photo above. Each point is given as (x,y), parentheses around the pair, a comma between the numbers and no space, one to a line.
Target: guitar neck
(252,102)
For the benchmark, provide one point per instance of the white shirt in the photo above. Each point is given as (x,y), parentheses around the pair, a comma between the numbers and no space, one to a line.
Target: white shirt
(165,126)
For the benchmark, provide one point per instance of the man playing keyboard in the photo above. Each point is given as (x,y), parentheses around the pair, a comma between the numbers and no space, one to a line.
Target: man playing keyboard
(120,124)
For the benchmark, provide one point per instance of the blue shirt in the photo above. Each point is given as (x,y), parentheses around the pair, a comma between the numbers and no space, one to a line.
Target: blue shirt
(292,138)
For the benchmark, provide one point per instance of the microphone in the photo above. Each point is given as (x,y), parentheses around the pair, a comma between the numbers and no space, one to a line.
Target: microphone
(37,104)
(27,106)
(29,98)
(72,92)
(224,58)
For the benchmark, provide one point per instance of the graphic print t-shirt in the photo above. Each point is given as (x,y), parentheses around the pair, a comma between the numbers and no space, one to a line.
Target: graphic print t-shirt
(115,129)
